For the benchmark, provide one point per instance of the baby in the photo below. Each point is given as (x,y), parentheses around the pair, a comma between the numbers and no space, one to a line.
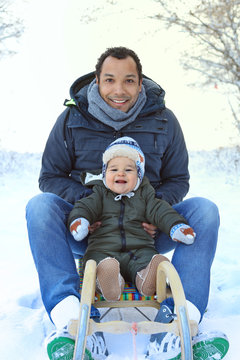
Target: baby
(122,200)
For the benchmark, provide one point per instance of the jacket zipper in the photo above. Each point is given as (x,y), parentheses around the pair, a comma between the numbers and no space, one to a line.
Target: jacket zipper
(121,228)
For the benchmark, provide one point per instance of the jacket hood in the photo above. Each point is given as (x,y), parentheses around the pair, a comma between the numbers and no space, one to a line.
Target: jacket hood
(155,94)
(91,178)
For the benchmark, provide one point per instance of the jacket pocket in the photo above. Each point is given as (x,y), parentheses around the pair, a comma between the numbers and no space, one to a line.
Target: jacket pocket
(151,134)
(89,146)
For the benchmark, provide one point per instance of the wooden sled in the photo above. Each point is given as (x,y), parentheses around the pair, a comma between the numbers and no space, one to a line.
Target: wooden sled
(181,326)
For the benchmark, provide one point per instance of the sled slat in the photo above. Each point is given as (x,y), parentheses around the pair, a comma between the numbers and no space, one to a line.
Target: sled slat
(143,327)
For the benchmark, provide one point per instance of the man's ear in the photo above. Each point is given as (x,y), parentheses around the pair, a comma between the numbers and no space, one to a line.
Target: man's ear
(140,84)
(96,79)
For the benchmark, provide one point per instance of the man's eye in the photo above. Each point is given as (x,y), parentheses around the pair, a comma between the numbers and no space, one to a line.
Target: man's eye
(129,81)
(109,80)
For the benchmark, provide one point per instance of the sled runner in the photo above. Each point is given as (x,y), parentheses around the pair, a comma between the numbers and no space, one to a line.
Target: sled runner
(181,326)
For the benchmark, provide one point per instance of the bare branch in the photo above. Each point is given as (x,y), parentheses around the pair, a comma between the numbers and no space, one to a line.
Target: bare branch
(10,28)
(214,29)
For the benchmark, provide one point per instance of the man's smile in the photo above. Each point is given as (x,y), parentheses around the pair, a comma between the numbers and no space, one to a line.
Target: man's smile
(118,101)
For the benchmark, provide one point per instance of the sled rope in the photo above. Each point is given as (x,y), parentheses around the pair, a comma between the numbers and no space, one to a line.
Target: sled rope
(134,333)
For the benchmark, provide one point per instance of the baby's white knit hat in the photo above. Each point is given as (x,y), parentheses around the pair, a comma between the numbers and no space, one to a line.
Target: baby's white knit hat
(127,147)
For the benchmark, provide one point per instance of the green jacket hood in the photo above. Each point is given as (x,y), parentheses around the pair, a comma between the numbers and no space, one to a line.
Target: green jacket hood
(91,178)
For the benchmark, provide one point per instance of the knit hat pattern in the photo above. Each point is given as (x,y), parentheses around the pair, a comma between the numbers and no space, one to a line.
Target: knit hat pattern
(127,147)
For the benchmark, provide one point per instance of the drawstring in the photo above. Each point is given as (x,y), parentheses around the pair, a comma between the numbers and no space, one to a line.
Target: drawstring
(129,195)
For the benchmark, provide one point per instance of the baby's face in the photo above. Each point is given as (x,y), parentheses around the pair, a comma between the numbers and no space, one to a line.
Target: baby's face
(121,175)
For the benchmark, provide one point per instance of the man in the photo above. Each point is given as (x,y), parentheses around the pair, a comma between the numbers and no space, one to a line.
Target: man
(115,101)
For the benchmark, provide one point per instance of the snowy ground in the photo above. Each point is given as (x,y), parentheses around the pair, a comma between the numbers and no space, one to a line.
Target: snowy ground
(23,321)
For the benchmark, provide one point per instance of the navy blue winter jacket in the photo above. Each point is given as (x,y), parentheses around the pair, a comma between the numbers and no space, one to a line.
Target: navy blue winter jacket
(77,141)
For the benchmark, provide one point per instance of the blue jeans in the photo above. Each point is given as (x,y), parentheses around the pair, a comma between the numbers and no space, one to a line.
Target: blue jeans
(53,248)
(193,262)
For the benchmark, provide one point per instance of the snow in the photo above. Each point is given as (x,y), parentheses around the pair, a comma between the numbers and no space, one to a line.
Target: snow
(23,320)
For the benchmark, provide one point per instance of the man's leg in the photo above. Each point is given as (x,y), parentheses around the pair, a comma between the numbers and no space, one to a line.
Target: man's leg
(52,247)
(193,263)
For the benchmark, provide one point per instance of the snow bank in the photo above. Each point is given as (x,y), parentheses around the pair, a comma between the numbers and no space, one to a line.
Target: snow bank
(224,162)
(13,162)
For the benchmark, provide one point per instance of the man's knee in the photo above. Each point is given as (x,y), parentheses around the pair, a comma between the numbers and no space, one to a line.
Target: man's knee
(36,203)
(207,210)
(42,208)
(44,202)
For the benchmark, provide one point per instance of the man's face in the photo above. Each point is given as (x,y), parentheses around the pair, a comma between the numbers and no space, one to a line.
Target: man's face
(119,83)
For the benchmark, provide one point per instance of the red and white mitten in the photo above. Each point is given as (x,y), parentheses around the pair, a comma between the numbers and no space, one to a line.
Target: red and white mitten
(183,233)
(79,228)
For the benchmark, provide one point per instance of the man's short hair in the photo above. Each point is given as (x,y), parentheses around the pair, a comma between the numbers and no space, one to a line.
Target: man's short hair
(119,53)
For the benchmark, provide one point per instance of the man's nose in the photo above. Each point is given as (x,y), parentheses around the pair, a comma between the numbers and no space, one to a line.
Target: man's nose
(119,89)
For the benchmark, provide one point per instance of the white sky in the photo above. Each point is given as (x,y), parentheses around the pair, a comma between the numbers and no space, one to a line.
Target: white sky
(60,45)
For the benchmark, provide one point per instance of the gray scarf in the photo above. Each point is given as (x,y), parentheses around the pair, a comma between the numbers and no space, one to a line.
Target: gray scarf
(108,115)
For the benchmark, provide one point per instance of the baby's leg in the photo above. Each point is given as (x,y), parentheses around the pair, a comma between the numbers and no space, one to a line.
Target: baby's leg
(110,282)
(146,278)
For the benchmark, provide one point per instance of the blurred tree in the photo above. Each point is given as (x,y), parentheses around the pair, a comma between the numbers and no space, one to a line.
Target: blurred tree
(10,28)
(214,29)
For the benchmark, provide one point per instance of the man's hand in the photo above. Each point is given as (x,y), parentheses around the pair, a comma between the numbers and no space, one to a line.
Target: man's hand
(150,229)
(94,226)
